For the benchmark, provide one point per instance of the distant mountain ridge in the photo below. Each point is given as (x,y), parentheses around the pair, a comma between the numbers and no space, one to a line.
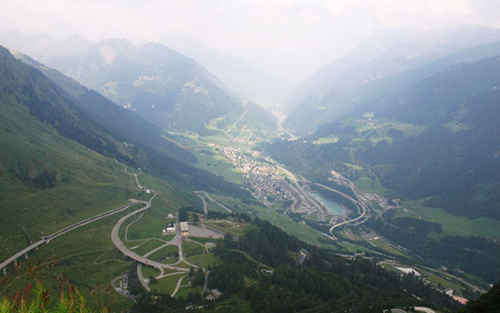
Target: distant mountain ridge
(123,123)
(370,71)
(93,121)
(163,86)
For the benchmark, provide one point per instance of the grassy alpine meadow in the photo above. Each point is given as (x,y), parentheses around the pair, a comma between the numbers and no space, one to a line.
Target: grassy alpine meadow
(146,246)
(166,285)
(88,259)
(191,248)
(168,254)
(48,181)
(216,163)
(370,185)
(150,225)
(149,272)
(453,225)
(298,229)
(204,260)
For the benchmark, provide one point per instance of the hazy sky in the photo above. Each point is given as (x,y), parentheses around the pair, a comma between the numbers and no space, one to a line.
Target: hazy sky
(287,37)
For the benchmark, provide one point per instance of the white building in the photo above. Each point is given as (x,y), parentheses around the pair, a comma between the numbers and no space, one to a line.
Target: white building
(408,270)
(184,229)
(169,229)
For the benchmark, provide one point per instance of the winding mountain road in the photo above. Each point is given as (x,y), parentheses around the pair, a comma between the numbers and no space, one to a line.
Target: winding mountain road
(115,238)
(69,228)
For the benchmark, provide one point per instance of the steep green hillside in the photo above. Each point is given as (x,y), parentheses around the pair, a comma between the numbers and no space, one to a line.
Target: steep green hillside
(93,121)
(163,86)
(52,162)
(47,181)
(51,177)
(121,123)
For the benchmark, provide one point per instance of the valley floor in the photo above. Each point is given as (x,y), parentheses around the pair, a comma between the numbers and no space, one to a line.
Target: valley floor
(161,246)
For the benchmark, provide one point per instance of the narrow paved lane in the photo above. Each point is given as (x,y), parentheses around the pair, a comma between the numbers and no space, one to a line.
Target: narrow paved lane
(21,253)
(200,195)
(141,278)
(178,286)
(67,229)
(215,201)
(115,238)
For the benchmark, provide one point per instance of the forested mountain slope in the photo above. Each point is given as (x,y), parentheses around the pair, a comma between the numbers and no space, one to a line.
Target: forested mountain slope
(487,303)
(122,123)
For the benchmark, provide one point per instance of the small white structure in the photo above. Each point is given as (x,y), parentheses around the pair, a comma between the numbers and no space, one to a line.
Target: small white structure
(169,229)
(408,270)
(184,229)
(213,295)
(148,191)
(170,215)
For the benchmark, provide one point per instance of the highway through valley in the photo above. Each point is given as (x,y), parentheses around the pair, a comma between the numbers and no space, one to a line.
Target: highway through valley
(359,204)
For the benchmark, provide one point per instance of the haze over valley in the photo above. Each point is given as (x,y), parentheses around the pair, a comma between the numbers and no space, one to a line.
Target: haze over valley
(252,156)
